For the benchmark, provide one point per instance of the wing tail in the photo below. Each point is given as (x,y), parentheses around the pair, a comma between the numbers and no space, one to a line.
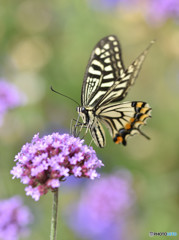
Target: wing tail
(134,69)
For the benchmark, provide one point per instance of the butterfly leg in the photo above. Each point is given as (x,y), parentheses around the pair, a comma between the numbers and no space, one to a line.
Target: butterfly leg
(91,141)
(87,128)
(75,127)
(76,120)
(83,125)
(72,127)
(80,129)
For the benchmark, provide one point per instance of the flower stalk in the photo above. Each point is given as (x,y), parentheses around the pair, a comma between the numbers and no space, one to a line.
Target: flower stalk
(53,231)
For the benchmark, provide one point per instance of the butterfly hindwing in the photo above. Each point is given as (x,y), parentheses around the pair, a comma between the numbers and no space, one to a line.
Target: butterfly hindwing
(125,119)
(98,134)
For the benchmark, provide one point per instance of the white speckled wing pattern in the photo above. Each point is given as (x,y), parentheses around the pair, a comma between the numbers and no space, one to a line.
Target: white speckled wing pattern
(104,68)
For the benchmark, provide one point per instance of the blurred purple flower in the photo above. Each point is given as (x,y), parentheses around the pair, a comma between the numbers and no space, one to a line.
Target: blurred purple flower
(14,219)
(101,5)
(103,207)
(45,162)
(10,97)
(157,11)
(161,10)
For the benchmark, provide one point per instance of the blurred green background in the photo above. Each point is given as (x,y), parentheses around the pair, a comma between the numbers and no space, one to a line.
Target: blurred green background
(44,43)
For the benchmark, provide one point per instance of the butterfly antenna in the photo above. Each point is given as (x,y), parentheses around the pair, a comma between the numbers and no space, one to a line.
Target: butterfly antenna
(64,96)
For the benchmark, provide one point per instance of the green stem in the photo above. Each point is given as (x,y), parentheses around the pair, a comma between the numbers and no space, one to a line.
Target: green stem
(54,215)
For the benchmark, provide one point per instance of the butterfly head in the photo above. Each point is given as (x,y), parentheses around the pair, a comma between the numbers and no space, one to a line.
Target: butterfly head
(83,113)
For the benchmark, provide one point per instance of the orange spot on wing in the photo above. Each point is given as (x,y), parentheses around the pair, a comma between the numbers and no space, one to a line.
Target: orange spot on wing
(132,120)
(119,139)
(139,104)
(128,126)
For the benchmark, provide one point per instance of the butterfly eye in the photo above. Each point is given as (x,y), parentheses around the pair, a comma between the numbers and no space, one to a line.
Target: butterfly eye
(83,110)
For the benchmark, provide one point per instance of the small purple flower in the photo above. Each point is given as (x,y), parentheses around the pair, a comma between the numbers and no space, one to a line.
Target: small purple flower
(45,162)
(14,218)
(10,97)
(103,208)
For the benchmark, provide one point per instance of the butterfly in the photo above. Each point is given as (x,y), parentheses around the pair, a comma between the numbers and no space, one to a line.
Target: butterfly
(106,83)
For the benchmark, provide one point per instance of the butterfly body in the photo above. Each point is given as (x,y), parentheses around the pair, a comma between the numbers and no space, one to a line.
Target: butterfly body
(90,120)
(105,84)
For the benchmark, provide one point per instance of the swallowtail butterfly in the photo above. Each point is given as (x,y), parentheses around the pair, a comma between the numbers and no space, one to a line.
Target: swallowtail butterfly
(106,83)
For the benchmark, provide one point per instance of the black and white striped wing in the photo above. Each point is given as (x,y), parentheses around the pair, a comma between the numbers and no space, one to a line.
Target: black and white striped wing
(98,134)
(104,68)
(125,119)
(120,88)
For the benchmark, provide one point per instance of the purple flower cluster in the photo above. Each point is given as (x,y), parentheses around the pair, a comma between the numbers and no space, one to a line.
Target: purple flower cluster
(46,161)
(103,207)
(10,98)
(14,218)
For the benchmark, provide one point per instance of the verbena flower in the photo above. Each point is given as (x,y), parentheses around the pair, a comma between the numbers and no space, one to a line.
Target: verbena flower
(45,162)
(10,97)
(161,10)
(14,218)
(103,208)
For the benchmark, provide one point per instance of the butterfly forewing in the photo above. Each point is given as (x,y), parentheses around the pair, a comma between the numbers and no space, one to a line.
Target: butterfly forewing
(104,68)
(120,88)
